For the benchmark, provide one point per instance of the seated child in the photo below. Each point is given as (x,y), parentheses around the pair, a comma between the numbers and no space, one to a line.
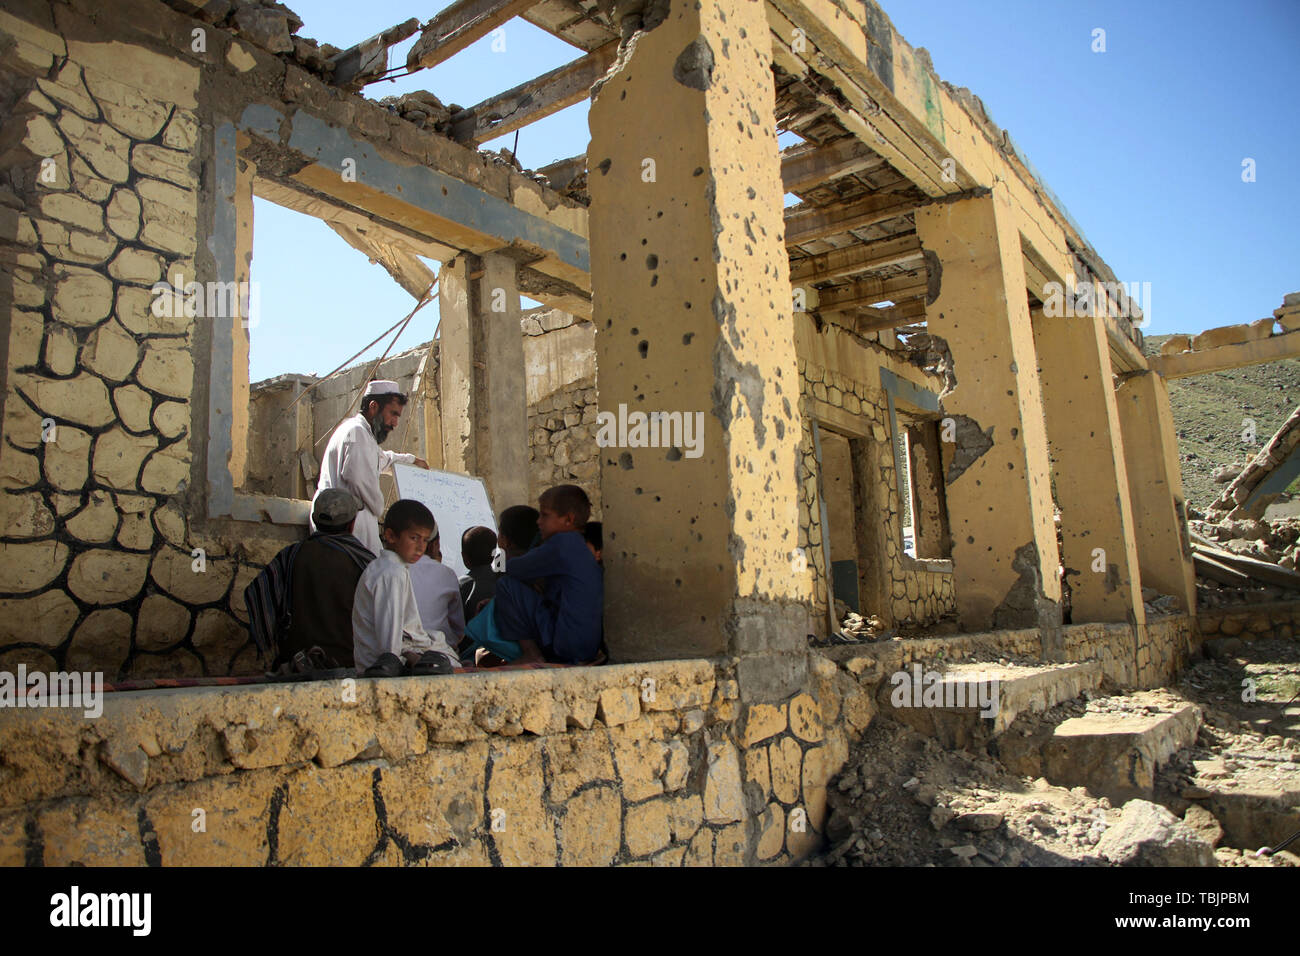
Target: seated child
(437,594)
(550,599)
(388,637)
(486,648)
(479,584)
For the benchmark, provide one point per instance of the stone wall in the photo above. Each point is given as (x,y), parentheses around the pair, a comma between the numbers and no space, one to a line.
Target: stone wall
(560,362)
(100,566)
(1280,619)
(658,764)
(900,589)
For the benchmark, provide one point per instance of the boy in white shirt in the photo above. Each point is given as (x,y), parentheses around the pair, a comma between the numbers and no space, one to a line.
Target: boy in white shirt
(437,594)
(388,637)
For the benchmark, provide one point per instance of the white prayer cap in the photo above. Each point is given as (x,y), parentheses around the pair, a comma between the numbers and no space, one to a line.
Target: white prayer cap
(380,387)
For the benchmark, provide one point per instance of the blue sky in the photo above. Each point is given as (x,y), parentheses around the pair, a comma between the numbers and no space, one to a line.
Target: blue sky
(1143,144)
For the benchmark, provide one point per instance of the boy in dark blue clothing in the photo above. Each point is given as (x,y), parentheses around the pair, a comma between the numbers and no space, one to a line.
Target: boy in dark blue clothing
(551,599)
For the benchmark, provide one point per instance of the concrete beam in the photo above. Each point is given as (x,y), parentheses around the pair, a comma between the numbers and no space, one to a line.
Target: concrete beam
(1185,364)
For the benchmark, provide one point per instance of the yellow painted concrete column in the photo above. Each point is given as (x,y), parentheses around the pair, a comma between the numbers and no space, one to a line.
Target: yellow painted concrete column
(1092,490)
(998,481)
(693,316)
(1156,487)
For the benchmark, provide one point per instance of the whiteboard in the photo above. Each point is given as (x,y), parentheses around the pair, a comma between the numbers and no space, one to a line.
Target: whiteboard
(458,502)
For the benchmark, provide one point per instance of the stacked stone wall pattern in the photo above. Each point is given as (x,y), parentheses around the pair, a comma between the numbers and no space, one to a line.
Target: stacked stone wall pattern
(562,441)
(655,764)
(917,596)
(96,562)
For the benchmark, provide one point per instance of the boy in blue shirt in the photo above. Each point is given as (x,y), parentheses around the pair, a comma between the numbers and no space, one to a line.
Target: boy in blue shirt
(550,600)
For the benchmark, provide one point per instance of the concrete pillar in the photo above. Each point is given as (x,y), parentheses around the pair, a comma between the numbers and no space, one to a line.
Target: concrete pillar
(500,408)
(455,366)
(693,315)
(481,376)
(1097,543)
(1156,487)
(999,494)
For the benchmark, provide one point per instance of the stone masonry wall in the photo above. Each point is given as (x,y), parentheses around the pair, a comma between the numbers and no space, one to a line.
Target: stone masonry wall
(916,595)
(1280,619)
(562,442)
(658,764)
(99,197)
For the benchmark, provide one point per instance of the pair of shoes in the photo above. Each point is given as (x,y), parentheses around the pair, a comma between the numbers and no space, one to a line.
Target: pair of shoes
(431,662)
(388,665)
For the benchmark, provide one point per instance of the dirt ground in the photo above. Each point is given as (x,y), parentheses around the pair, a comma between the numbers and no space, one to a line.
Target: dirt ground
(902,800)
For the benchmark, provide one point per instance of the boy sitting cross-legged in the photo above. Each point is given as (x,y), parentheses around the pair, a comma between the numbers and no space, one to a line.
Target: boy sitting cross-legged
(388,637)
(550,599)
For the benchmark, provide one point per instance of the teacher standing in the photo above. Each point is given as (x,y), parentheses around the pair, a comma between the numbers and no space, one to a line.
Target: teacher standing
(353,458)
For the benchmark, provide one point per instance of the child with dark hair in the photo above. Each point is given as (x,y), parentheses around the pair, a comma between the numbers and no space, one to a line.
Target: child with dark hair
(518,529)
(479,583)
(551,599)
(388,636)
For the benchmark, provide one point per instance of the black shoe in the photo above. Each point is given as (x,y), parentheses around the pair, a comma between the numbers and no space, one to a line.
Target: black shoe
(388,665)
(431,662)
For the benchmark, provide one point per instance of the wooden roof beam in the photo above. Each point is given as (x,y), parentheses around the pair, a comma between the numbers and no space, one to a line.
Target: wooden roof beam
(368,60)
(810,168)
(818,222)
(456,27)
(534,100)
(862,257)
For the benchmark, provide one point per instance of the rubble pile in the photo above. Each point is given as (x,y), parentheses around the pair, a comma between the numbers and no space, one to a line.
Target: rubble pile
(1245,560)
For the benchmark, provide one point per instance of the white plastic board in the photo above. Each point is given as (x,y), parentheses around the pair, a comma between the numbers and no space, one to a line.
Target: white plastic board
(458,502)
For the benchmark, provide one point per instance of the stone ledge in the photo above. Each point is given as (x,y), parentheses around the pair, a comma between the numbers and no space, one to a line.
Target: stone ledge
(156,737)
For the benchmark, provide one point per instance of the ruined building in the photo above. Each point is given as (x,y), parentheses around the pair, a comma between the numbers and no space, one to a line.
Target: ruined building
(897,416)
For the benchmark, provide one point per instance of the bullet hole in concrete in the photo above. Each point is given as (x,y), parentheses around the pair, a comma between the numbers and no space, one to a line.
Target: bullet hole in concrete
(749,515)
(643,347)
(654,280)
(1011,466)
(652,262)
(740,126)
(677,581)
(1009,392)
(604,166)
(609,323)
(699,171)
(444,190)
(660,214)
(640,397)
(623,95)
(750,193)
(1015,432)
(622,257)
(635,330)
(657,498)
(644,241)
(688,305)
(743,34)
(625,462)
(969,539)
(780,429)
(695,519)
(674,454)
(686,339)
